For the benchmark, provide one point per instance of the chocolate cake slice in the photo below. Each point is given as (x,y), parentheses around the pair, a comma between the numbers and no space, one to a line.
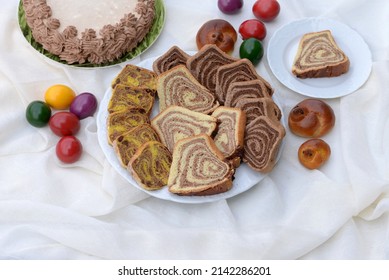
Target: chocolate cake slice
(255,107)
(176,123)
(229,137)
(245,89)
(199,168)
(172,58)
(150,165)
(204,64)
(318,55)
(126,145)
(263,138)
(241,70)
(128,96)
(177,86)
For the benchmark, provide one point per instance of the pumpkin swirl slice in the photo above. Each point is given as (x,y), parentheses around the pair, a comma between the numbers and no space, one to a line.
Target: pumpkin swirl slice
(318,55)
(122,121)
(204,64)
(263,138)
(128,96)
(132,75)
(173,57)
(178,87)
(199,168)
(176,123)
(126,145)
(150,165)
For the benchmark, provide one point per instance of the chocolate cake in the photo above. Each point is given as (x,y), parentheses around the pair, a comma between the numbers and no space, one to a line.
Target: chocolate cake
(204,64)
(177,86)
(173,57)
(318,55)
(263,138)
(175,123)
(245,89)
(95,31)
(255,107)
(199,168)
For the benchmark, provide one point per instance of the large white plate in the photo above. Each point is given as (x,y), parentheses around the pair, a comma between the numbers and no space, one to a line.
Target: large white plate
(283,46)
(245,178)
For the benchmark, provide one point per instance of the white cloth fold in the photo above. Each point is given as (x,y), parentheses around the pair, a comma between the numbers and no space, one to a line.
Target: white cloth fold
(86,210)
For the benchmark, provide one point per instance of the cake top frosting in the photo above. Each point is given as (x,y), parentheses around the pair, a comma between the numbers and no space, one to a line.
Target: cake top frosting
(89,31)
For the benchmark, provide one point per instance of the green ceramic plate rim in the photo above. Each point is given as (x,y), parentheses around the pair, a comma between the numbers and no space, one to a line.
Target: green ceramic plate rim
(150,38)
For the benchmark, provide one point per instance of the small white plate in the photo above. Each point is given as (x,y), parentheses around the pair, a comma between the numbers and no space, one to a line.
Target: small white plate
(245,178)
(283,46)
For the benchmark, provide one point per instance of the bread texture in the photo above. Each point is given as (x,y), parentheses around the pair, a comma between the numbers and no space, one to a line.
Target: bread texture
(318,56)
(126,145)
(171,58)
(199,168)
(150,165)
(177,86)
(133,75)
(124,97)
(229,137)
(176,123)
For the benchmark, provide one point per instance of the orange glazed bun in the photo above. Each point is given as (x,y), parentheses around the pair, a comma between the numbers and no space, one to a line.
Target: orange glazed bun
(314,153)
(311,118)
(217,32)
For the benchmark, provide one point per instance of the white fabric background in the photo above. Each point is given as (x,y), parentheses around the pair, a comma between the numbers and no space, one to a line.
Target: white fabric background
(49,210)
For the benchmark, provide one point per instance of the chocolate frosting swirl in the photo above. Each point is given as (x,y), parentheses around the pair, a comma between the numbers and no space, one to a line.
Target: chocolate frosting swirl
(77,46)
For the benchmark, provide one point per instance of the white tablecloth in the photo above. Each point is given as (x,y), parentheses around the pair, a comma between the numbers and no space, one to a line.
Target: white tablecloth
(85,210)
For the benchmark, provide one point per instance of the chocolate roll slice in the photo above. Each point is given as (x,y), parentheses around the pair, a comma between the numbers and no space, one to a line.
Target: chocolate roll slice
(241,70)
(245,89)
(255,107)
(229,137)
(173,57)
(178,87)
(122,121)
(176,123)
(204,64)
(150,165)
(128,143)
(132,75)
(263,138)
(128,96)
(318,55)
(199,168)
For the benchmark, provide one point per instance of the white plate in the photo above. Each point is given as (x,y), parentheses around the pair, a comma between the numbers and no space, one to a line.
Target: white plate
(283,46)
(245,178)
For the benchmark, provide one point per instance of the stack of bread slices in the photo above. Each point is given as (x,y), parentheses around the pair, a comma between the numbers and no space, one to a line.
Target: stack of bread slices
(214,112)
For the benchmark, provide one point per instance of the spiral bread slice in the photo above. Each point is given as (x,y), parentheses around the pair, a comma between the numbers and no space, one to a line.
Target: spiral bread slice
(241,70)
(177,86)
(318,55)
(176,122)
(263,138)
(126,145)
(255,107)
(229,138)
(150,165)
(199,168)
(245,89)
(132,75)
(128,96)
(173,57)
(204,64)
(122,121)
